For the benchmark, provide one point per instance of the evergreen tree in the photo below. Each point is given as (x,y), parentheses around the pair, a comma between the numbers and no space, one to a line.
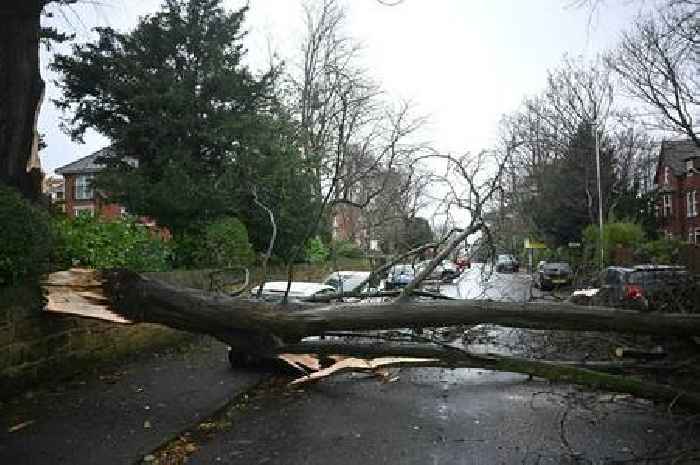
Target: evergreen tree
(175,96)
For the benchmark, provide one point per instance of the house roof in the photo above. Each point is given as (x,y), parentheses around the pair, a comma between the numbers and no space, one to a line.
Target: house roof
(674,153)
(86,164)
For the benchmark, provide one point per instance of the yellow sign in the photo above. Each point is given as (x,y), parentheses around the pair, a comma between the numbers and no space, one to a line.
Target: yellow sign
(534,245)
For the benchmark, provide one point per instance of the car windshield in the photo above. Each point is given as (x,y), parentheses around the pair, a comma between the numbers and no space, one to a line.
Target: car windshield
(656,276)
(557,267)
(403,269)
(346,282)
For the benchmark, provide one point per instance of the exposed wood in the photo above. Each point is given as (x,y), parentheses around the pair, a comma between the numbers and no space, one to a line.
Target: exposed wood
(77,292)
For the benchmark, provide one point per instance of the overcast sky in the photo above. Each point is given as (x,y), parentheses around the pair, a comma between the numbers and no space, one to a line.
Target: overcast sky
(462,63)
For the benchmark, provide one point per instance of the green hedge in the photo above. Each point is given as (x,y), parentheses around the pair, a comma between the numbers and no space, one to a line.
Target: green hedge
(26,238)
(94,243)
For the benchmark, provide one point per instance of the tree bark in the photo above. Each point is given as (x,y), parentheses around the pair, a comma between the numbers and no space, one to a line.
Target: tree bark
(262,327)
(21,90)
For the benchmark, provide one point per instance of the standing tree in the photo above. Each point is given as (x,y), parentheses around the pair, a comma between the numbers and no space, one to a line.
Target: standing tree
(174,96)
(658,63)
(22,91)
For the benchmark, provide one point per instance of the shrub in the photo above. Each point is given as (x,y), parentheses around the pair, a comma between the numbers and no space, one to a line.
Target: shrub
(619,234)
(660,252)
(26,238)
(347,249)
(110,244)
(316,251)
(223,243)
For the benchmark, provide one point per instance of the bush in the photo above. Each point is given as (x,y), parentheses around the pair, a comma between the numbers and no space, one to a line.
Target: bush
(110,244)
(26,238)
(223,243)
(660,252)
(619,234)
(316,251)
(347,249)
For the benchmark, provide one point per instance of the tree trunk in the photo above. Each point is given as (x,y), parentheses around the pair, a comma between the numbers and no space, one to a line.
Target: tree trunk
(262,327)
(21,90)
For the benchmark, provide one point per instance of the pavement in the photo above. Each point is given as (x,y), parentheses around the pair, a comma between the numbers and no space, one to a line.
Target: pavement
(118,415)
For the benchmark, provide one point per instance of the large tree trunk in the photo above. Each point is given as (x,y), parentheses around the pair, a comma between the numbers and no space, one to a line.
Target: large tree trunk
(271,330)
(262,327)
(21,90)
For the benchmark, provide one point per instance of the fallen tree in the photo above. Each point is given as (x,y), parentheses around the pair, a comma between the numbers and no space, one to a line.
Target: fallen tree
(267,329)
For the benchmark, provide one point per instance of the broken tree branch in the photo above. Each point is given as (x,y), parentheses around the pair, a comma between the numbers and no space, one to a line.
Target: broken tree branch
(427,356)
(271,245)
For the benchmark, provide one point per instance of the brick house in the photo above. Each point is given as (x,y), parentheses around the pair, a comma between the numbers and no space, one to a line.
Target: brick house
(80,197)
(678,185)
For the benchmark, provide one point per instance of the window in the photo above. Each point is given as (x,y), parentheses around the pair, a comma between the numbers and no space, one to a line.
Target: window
(59,195)
(667,175)
(83,211)
(667,205)
(689,167)
(83,187)
(697,236)
(691,201)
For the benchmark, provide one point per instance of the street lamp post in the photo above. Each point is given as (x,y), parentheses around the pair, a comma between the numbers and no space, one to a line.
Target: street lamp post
(600,197)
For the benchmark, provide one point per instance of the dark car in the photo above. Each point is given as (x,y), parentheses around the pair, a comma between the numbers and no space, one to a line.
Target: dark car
(507,262)
(551,275)
(649,287)
(399,276)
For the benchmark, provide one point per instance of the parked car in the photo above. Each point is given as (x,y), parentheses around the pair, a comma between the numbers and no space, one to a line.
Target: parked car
(399,276)
(346,281)
(551,275)
(445,271)
(507,262)
(649,287)
(275,290)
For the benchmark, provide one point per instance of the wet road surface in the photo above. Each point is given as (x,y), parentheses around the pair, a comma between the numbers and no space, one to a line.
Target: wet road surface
(436,416)
(439,416)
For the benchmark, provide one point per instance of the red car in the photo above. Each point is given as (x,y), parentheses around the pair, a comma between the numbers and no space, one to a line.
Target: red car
(462,263)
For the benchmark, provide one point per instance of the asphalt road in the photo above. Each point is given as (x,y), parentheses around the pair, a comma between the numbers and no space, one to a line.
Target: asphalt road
(437,416)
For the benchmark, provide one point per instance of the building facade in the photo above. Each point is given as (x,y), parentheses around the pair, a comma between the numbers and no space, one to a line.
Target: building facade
(678,187)
(80,196)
